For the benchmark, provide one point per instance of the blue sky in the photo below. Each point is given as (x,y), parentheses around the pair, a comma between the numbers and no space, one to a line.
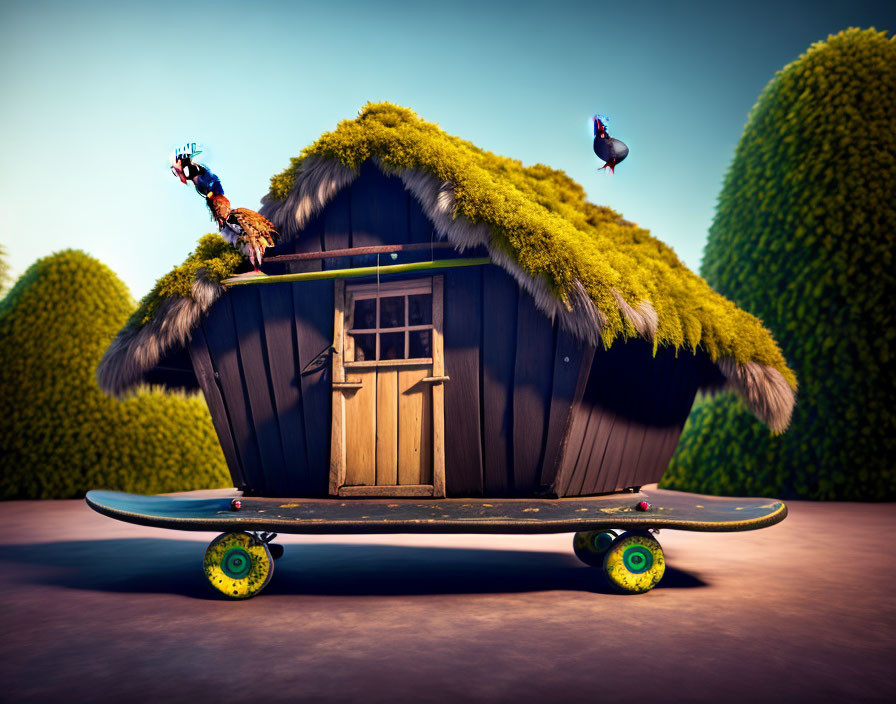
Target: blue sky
(96,95)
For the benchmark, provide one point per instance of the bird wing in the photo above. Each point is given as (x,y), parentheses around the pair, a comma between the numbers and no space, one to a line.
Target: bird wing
(255,225)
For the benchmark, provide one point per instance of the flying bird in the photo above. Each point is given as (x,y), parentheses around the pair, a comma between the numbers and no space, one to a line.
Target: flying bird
(609,150)
(248,232)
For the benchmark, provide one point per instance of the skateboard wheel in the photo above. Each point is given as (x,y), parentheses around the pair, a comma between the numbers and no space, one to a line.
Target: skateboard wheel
(591,545)
(238,565)
(634,563)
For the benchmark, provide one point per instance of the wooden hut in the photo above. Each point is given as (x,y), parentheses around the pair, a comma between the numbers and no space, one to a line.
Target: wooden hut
(439,321)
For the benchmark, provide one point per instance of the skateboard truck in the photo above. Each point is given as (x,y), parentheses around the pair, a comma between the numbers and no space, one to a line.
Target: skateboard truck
(275,548)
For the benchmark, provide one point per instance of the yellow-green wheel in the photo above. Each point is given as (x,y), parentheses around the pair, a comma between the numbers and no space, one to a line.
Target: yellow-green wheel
(590,546)
(634,563)
(238,565)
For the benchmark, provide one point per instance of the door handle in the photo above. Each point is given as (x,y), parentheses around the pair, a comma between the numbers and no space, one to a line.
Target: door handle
(348,384)
(319,361)
(435,379)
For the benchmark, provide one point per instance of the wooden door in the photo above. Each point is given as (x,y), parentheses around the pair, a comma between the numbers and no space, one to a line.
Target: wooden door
(388,400)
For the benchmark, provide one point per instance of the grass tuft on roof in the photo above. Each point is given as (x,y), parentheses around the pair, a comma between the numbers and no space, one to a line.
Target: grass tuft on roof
(540,217)
(213,254)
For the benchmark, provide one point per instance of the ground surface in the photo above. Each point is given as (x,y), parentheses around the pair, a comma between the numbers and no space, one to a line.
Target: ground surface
(98,610)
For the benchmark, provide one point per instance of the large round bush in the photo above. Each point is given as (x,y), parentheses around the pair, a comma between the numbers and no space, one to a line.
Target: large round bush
(59,434)
(804,237)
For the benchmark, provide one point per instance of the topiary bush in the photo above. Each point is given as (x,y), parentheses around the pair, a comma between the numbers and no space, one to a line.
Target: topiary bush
(804,237)
(60,434)
(4,270)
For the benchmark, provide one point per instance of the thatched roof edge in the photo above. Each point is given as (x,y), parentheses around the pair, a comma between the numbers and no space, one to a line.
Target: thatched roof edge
(136,349)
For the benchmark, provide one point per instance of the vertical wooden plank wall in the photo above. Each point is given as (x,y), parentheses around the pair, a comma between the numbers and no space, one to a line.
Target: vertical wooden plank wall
(599,431)
(420,230)
(627,396)
(256,383)
(572,362)
(311,240)
(278,317)
(499,312)
(208,381)
(532,381)
(604,383)
(313,307)
(336,227)
(661,379)
(629,421)
(223,349)
(378,213)
(463,341)
(274,417)
(682,394)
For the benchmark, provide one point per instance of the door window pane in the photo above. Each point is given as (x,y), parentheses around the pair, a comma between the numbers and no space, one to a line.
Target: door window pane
(364,317)
(392,345)
(392,312)
(420,344)
(387,314)
(365,347)
(420,309)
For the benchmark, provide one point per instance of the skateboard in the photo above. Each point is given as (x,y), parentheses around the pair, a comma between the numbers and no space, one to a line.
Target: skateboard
(613,532)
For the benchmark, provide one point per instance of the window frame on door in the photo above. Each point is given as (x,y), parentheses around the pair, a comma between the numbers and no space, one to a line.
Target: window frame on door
(377,292)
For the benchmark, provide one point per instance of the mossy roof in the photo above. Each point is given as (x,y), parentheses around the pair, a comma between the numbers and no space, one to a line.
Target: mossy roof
(213,256)
(540,217)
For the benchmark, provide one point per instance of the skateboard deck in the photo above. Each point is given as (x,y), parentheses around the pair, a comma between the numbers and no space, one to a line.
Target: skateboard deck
(668,509)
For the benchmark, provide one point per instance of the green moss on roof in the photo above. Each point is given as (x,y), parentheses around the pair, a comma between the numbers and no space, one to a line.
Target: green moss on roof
(213,253)
(540,217)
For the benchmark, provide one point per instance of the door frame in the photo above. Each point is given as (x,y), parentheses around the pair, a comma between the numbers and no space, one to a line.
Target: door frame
(343,385)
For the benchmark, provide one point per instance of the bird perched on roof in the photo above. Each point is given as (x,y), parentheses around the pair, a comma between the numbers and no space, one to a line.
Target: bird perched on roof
(609,150)
(246,230)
